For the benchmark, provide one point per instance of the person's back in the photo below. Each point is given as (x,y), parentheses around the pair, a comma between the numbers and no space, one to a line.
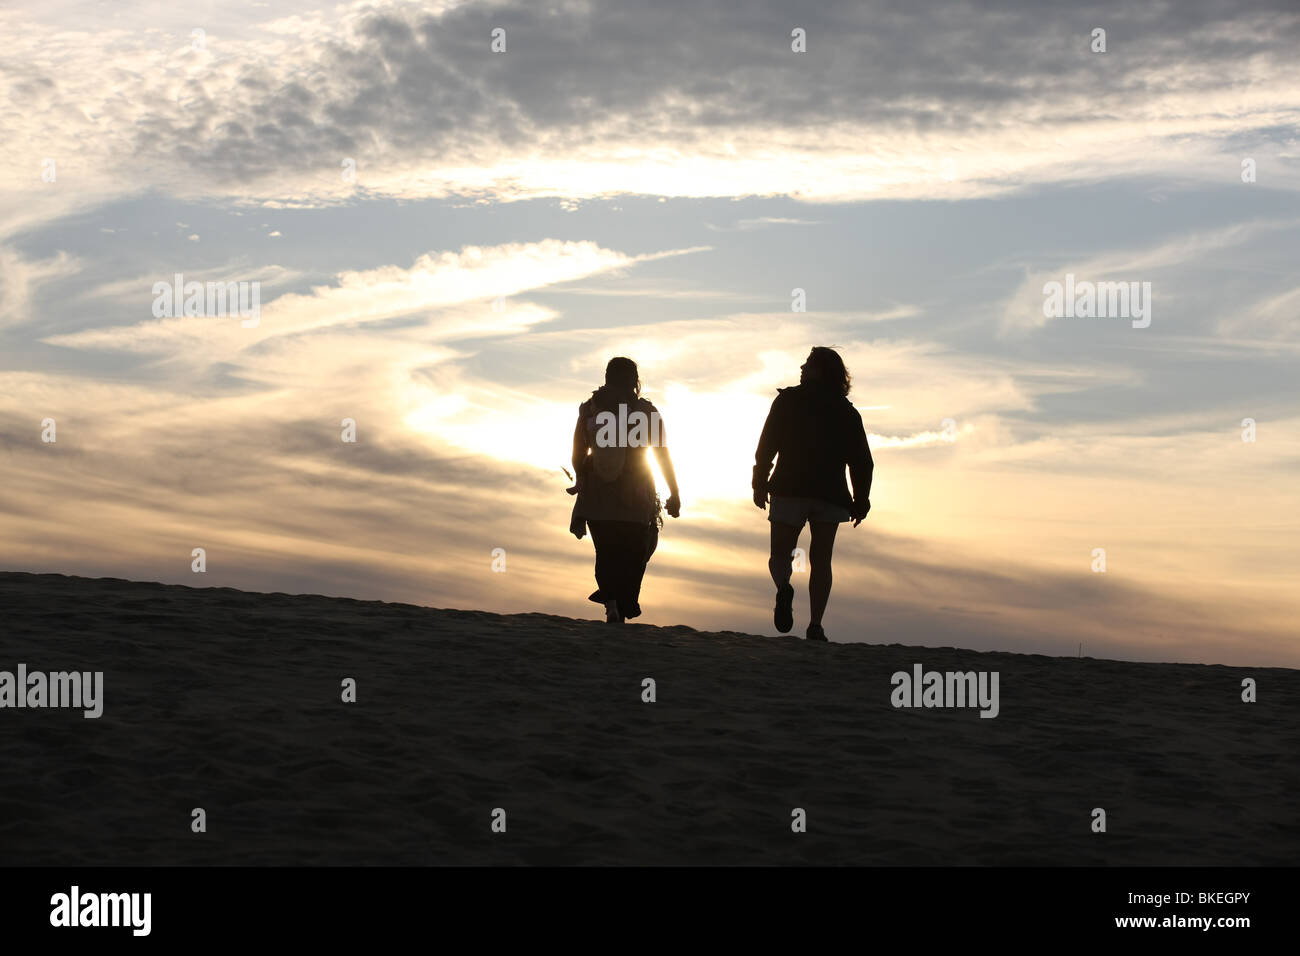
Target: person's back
(816,432)
(618,482)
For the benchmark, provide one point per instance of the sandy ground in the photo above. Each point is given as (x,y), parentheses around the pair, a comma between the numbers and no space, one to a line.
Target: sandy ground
(231,701)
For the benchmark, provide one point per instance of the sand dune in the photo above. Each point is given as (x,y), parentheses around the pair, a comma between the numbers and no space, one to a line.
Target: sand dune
(231,701)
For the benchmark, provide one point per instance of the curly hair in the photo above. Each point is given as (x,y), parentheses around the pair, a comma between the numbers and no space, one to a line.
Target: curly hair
(830,369)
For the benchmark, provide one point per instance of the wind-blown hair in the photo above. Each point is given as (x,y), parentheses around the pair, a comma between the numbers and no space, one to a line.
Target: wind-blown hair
(830,369)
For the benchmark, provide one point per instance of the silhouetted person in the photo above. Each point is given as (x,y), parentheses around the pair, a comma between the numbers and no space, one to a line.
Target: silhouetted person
(813,431)
(616,488)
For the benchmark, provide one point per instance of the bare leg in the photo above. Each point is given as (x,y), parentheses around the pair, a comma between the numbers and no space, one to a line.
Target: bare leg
(819,560)
(785,537)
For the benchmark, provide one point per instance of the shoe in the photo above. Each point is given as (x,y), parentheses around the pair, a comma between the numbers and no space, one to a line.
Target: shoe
(612,616)
(783,614)
(815,633)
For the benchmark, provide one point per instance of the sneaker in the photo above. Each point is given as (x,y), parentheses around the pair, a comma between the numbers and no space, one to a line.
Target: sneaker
(815,633)
(783,613)
(611,612)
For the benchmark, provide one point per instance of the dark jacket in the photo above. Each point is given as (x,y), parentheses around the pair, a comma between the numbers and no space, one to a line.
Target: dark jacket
(814,433)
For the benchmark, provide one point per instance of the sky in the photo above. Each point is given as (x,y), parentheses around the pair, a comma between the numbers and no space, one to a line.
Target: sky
(456,213)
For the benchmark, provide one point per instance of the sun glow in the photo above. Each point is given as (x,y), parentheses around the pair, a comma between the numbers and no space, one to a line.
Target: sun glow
(710,435)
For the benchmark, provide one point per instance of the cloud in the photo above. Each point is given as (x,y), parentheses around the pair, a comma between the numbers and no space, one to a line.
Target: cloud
(271,110)
(1272,317)
(983,541)
(1024,309)
(433,284)
(745,225)
(20,280)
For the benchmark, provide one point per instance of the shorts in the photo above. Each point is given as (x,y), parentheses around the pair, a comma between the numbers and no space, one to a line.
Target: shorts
(796,511)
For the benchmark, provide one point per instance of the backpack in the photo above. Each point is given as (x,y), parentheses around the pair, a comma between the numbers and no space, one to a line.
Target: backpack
(607,460)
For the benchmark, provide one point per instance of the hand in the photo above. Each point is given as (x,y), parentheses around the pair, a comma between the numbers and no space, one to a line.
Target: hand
(860,511)
(760,497)
(674,506)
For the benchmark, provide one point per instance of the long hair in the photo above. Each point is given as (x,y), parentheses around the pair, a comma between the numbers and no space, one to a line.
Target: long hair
(621,375)
(830,369)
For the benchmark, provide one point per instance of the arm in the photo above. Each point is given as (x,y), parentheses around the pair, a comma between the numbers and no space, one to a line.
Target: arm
(861,470)
(580,448)
(665,460)
(765,453)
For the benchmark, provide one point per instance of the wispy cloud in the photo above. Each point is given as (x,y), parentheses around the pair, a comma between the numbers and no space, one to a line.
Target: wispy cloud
(20,280)
(745,225)
(434,282)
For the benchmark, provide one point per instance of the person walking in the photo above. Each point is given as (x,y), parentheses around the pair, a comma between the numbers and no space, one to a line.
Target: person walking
(814,432)
(616,431)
